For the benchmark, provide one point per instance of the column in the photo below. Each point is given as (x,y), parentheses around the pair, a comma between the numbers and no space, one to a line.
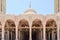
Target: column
(19,36)
(16,31)
(44,30)
(8,34)
(30,31)
(49,35)
(3,31)
(41,34)
(58,32)
(53,35)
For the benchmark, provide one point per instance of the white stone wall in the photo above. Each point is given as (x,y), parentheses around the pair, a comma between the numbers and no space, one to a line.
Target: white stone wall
(3,6)
(30,18)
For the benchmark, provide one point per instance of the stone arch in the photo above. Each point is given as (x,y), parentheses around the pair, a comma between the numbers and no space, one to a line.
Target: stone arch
(23,23)
(51,29)
(23,29)
(37,29)
(10,33)
(50,23)
(9,23)
(37,23)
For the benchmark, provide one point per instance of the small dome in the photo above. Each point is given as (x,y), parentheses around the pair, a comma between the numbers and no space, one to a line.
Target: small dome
(30,10)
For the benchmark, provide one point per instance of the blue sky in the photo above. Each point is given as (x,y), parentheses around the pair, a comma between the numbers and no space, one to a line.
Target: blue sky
(19,6)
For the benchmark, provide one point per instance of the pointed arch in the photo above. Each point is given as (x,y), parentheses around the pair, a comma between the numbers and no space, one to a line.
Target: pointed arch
(23,29)
(51,29)
(23,23)
(51,23)
(9,23)
(10,33)
(37,23)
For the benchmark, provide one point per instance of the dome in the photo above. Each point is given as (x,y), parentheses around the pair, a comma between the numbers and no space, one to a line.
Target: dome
(30,10)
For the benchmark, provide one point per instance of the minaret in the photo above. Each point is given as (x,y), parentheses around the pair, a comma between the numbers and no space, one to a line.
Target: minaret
(56,6)
(30,4)
(3,6)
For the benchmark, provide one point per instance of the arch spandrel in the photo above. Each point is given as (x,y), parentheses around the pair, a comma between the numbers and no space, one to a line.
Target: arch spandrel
(11,17)
(23,17)
(51,17)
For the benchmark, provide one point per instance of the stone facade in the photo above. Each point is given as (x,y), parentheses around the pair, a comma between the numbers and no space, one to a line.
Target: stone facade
(56,6)
(29,26)
(3,6)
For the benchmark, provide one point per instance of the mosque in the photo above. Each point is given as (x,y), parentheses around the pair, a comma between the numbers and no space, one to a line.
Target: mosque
(30,25)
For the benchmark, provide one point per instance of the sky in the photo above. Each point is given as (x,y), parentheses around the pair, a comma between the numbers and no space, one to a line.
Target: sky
(17,7)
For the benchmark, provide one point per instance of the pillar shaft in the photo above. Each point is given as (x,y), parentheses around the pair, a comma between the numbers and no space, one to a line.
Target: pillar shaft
(16,31)
(44,30)
(58,32)
(30,34)
(41,34)
(53,35)
(30,31)
(2,31)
